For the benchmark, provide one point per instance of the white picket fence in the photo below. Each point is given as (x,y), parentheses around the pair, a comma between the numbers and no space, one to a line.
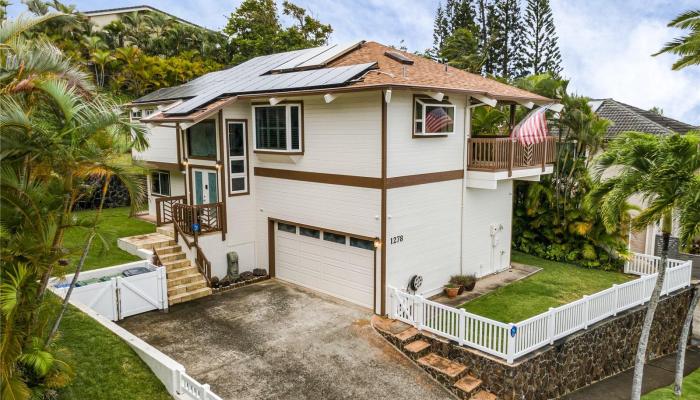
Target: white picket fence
(195,390)
(513,340)
(644,264)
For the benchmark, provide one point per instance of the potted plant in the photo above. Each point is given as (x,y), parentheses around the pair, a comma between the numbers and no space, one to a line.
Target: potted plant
(451,290)
(465,282)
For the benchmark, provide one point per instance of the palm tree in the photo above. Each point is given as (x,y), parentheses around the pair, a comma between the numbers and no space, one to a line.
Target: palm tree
(688,46)
(663,170)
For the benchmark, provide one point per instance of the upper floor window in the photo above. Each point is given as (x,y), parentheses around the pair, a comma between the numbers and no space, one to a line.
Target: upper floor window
(160,183)
(278,128)
(136,114)
(432,117)
(201,140)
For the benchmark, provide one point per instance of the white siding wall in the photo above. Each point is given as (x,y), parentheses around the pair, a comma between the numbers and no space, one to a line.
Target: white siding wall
(410,156)
(428,218)
(482,209)
(341,137)
(162,145)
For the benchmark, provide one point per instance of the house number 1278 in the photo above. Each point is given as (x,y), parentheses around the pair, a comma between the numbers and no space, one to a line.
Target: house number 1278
(396,239)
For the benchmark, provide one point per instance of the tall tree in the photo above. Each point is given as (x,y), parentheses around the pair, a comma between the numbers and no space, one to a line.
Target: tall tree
(456,14)
(508,46)
(663,170)
(688,46)
(255,29)
(541,42)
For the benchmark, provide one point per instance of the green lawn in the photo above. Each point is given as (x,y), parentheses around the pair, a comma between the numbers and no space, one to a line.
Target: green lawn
(691,389)
(106,368)
(114,223)
(557,284)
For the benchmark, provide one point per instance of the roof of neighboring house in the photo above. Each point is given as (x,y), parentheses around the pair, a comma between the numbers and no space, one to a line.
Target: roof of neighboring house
(625,118)
(350,66)
(124,10)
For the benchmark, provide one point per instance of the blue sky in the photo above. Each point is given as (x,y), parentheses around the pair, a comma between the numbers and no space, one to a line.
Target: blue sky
(606,45)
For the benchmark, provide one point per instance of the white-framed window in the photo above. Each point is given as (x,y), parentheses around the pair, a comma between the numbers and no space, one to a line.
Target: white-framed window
(160,183)
(278,128)
(432,117)
(147,112)
(136,114)
(237,157)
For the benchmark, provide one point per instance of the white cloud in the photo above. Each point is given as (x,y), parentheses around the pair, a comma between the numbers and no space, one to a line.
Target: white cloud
(607,47)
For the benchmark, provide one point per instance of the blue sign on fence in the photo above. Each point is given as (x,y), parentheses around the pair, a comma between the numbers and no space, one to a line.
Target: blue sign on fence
(513,331)
(196,228)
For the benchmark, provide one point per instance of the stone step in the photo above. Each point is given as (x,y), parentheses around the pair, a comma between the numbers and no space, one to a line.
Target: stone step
(176,264)
(186,287)
(188,296)
(170,249)
(193,276)
(388,325)
(407,335)
(467,386)
(417,348)
(166,230)
(171,256)
(449,370)
(484,395)
(180,272)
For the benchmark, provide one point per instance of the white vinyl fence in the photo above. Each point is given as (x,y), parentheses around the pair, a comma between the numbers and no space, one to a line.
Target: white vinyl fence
(118,297)
(171,373)
(513,340)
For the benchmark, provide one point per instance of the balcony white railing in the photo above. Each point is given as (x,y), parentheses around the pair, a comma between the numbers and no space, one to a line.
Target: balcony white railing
(513,340)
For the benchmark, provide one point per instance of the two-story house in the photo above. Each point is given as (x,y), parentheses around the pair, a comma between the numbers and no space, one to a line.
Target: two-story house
(345,169)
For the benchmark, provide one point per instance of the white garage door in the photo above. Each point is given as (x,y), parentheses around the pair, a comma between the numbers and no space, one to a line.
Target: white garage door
(338,265)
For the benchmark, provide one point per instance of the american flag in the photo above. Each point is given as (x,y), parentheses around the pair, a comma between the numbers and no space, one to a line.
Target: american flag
(533,128)
(436,120)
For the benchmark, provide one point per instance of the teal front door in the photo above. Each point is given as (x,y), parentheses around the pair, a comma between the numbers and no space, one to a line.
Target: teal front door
(205,187)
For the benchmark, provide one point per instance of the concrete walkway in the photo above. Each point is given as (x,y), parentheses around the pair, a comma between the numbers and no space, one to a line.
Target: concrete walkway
(657,374)
(276,341)
(488,284)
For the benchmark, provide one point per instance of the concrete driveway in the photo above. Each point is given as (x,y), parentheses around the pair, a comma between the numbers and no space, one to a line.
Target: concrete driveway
(276,341)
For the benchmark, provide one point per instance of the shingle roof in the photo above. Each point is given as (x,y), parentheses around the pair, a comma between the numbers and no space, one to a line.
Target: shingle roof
(625,117)
(362,65)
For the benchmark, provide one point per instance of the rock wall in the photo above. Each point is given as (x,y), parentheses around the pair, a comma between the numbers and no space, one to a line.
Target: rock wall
(603,350)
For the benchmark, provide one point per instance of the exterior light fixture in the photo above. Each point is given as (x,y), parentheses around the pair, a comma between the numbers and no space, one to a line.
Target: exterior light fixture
(556,107)
(438,96)
(185,162)
(274,101)
(377,243)
(328,97)
(485,99)
(218,165)
(387,96)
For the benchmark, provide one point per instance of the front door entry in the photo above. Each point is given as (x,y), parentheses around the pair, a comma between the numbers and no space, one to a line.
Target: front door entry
(205,186)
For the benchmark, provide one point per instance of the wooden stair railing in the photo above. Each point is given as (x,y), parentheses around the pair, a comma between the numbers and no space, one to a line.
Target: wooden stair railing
(200,260)
(164,208)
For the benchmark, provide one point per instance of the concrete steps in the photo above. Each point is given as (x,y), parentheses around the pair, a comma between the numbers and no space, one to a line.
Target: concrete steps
(140,244)
(166,230)
(420,347)
(185,282)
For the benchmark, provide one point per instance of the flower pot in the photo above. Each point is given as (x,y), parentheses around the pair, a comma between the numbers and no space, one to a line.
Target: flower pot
(470,286)
(452,291)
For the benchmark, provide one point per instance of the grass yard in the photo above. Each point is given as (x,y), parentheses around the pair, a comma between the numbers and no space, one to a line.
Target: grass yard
(106,368)
(691,389)
(557,284)
(114,223)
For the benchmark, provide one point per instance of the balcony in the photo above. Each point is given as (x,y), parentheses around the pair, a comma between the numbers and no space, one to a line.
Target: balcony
(491,159)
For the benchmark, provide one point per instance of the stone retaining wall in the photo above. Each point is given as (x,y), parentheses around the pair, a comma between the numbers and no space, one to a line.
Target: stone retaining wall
(604,349)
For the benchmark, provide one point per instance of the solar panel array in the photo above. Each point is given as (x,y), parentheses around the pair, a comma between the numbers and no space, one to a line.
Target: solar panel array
(254,76)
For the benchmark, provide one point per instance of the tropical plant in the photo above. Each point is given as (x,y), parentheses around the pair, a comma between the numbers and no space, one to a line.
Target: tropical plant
(46,102)
(664,172)
(686,47)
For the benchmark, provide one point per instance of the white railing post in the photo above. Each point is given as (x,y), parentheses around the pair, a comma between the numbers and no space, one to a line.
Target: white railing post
(462,325)
(586,305)
(616,291)
(392,303)
(551,325)
(177,381)
(418,311)
(510,352)
(205,391)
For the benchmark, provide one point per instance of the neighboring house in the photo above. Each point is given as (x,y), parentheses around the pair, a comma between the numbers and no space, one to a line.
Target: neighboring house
(346,169)
(102,18)
(626,118)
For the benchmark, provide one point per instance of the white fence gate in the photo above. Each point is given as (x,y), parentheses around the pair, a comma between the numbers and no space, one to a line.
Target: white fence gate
(120,297)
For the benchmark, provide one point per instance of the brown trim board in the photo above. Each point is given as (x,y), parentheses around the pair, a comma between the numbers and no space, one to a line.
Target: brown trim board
(271,247)
(421,179)
(317,177)
(382,239)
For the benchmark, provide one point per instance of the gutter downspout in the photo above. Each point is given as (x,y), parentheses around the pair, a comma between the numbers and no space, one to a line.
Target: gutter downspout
(466,136)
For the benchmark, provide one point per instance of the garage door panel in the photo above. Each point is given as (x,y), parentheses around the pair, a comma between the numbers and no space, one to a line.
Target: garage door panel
(336,269)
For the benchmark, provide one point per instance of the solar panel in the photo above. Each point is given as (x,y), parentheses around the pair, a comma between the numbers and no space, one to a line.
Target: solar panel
(317,57)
